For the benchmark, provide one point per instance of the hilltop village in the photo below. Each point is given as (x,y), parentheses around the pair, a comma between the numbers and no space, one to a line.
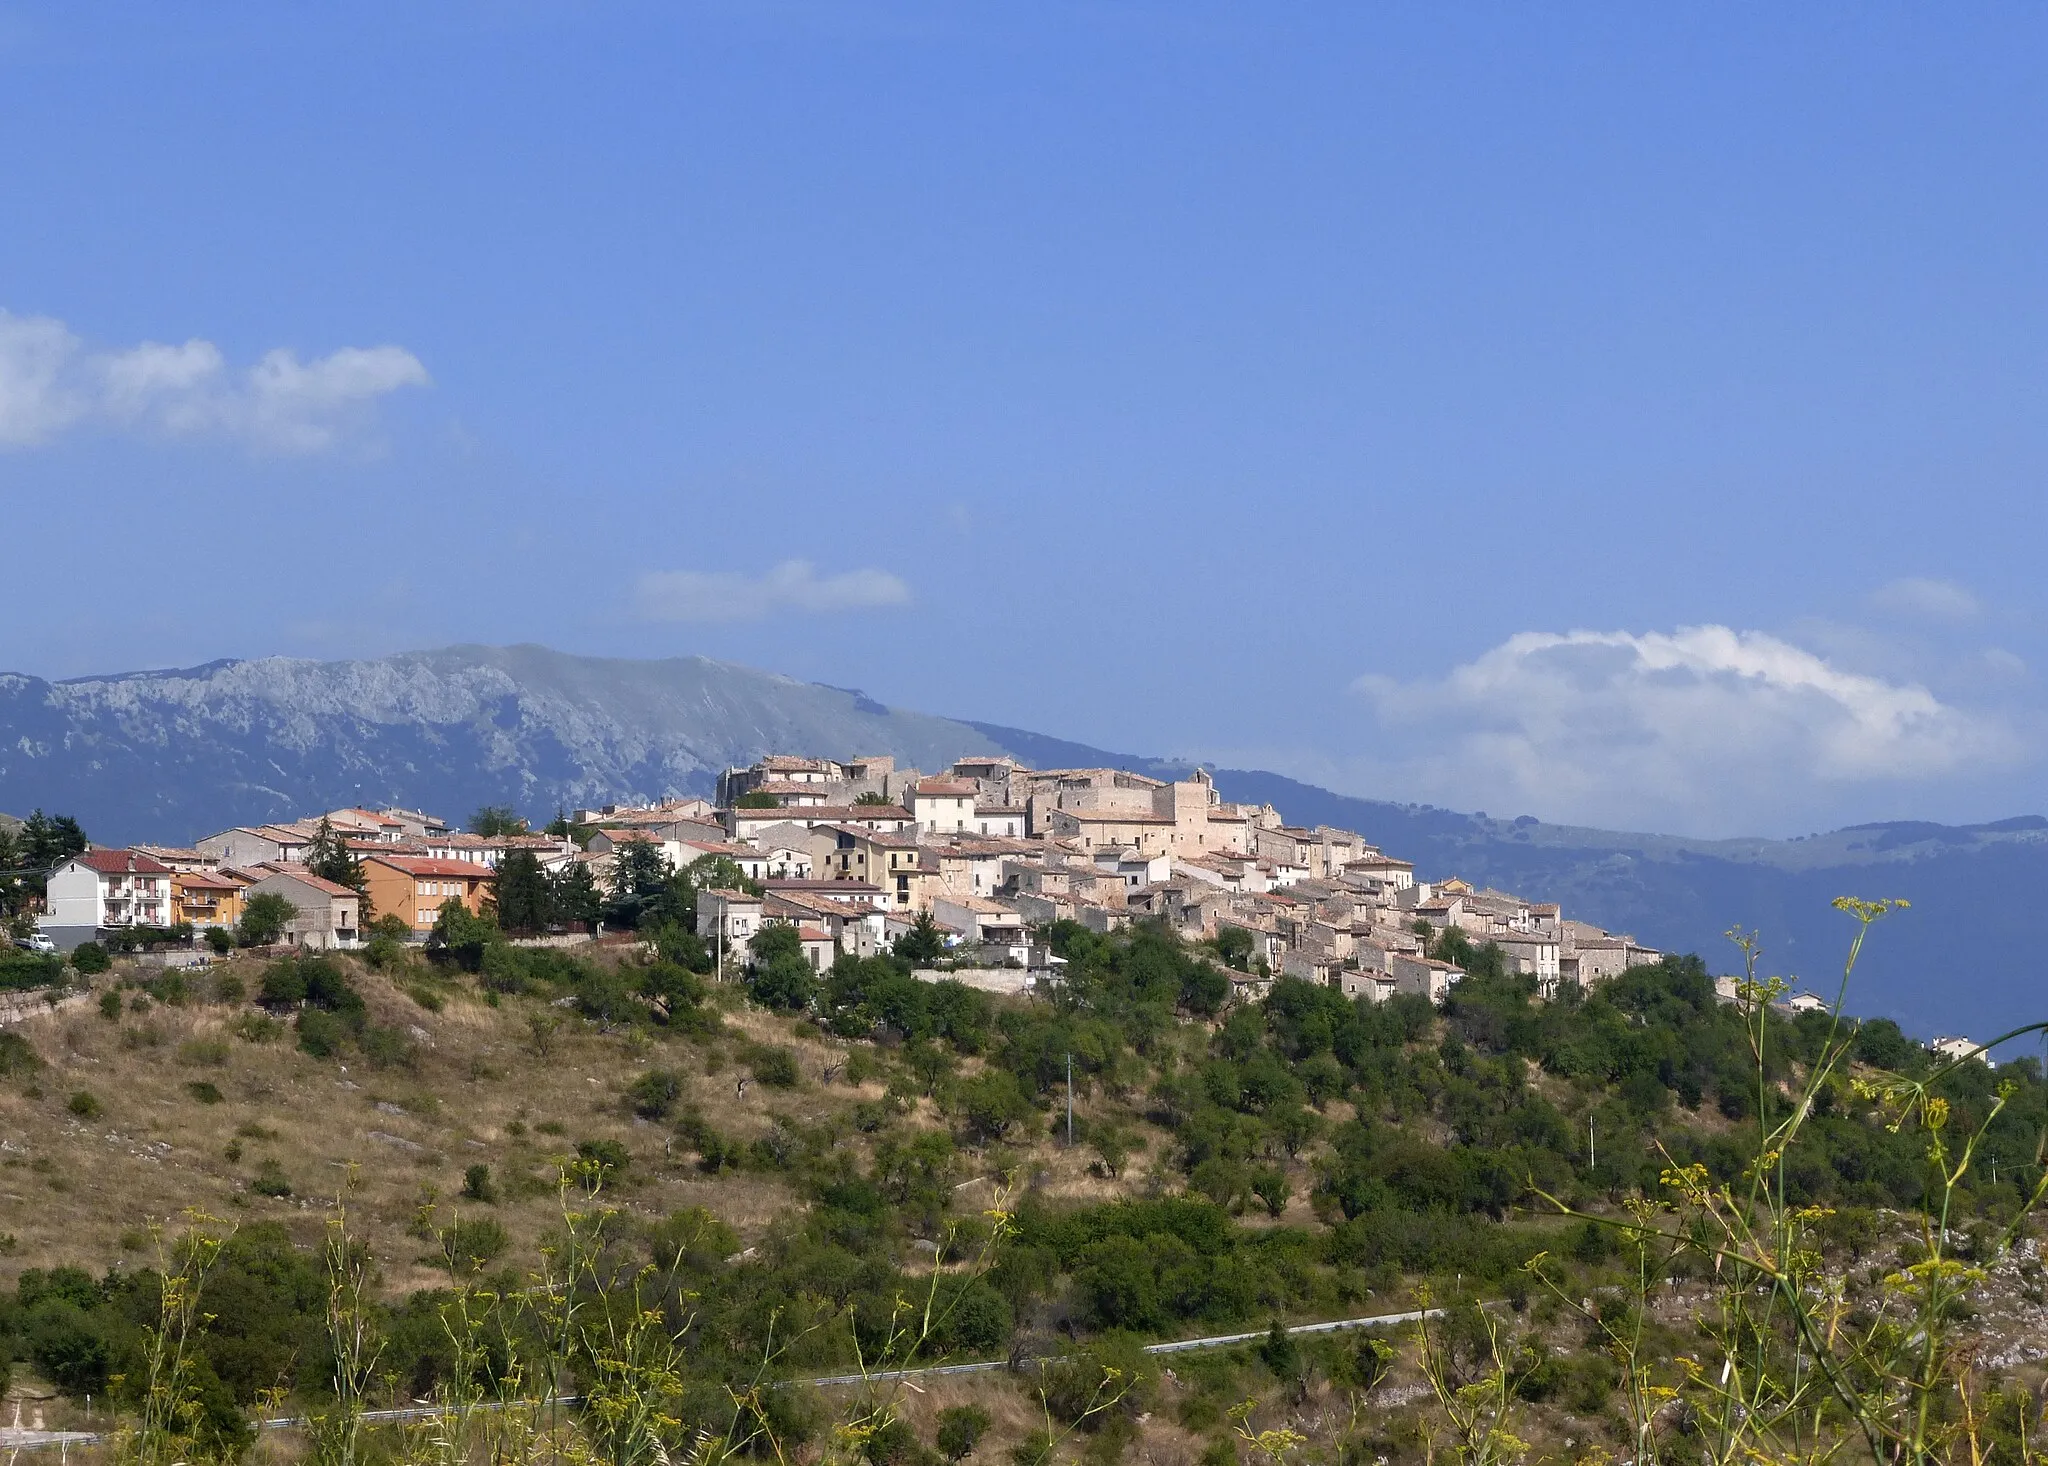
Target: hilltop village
(857,853)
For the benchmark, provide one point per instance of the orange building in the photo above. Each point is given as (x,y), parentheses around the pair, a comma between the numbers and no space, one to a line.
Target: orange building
(412,887)
(206,898)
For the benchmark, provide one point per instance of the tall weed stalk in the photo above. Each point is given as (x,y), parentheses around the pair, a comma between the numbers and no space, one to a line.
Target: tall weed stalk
(1799,1360)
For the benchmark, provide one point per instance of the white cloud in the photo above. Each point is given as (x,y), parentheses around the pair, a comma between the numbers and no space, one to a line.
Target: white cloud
(51,382)
(35,401)
(794,585)
(1705,728)
(1926,599)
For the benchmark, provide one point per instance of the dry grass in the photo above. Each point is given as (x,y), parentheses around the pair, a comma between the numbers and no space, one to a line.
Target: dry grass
(76,1189)
(85,1190)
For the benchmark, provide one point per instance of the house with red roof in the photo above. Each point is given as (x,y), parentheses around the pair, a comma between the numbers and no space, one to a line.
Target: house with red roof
(413,887)
(105,890)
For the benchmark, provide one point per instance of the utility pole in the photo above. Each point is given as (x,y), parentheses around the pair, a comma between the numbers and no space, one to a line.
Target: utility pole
(1070,1101)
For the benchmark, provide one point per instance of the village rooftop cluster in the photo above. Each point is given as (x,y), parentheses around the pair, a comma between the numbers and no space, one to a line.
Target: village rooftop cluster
(854,852)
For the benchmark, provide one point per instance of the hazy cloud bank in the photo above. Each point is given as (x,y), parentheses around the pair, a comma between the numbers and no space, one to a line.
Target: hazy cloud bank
(51,382)
(793,585)
(1706,728)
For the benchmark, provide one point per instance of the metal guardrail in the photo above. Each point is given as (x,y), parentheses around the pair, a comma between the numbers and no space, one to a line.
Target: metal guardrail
(1176,1346)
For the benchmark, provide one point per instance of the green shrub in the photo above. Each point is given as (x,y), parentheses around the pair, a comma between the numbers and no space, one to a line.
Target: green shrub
(774,1066)
(603,1160)
(68,1344)
(84,1104)
(169,988)
(220,940)
(474,1243)
(283,987)
(90,958)
(961,1428)
(384,954)
(17,1055)
(388,1048)
(110,1005)
(205,1091)
(21,971)
(321,1034)
(654,1094)
(228,987)
(477,1185)
(256,1028)
(208,1051)
(269,1180)
(1038,1448)
(425,996)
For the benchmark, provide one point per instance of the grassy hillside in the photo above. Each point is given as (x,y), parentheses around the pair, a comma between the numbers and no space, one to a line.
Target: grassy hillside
(778,1164)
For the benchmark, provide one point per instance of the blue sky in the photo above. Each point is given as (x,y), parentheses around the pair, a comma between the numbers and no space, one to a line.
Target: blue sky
(1626,414)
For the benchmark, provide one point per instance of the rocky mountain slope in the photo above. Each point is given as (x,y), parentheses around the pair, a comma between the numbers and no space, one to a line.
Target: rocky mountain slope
(175,755)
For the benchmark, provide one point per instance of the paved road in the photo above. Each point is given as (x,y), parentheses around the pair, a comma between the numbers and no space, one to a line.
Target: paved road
(18,1438)
(1213,1341)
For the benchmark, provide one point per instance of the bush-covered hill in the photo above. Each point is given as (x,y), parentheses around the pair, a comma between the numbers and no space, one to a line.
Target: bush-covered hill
(790,1154)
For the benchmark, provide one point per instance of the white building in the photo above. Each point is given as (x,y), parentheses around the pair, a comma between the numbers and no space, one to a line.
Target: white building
(1000,821)
(945,807)
(104,889)
(732,915)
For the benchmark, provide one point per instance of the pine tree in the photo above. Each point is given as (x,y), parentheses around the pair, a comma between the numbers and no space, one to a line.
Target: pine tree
(525,901)
(329,858)
(574,896)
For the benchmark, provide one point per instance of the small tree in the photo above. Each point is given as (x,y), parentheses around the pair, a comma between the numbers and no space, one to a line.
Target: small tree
(780,976)
(1270,1186)
(264,919)
(1234,946)
(90,958)
(755,799)
(991,1103)
(496,819)
(873,798)
(672,988)
(923,942)
(220,940)
(461,936)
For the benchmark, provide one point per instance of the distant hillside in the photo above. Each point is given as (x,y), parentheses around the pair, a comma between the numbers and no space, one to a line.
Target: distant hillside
(174,755)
